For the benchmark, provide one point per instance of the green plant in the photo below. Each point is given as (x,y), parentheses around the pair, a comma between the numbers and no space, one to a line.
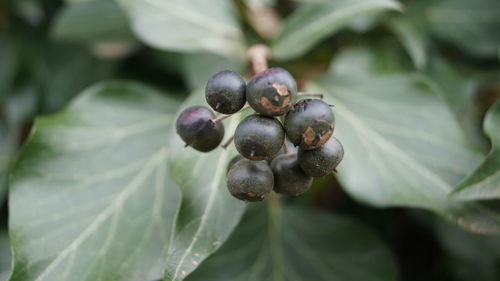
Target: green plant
(95,183)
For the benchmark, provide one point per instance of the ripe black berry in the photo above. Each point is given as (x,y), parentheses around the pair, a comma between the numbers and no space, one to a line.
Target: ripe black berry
(225,92)
(289,147)
(321,161)
(195,128)
(309,123)
(250,180)
(258,137)
(233,161)
(289,178)
(272,92)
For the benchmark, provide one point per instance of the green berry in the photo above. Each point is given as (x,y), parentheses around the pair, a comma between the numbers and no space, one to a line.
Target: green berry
(196,129)
(258,137)
(272,92)
(321,161)
(289,178)
(250,180)
(310,123)
(225,92)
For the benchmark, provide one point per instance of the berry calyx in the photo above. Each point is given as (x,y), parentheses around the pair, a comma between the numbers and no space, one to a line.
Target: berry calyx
(321,161)
(258,137)
(225,92)
(272,92)
(195,128)
(250,180)
(289,178)
(310,123)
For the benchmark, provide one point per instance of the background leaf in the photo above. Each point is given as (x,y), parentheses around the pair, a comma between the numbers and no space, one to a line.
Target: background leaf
(484,183)
(109,24)
(5,256)
(208,212)
(298,244)
(102,161)
(186,25)
(402,146)
(312,23)
(471,25)
(413,39)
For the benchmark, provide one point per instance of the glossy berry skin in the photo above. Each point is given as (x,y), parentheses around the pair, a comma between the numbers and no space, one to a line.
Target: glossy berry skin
(310,123)
(196,130)
(289,178)
(272,92)
(225,92)
(258,137)
(321,161)
(250,180)
(233,161)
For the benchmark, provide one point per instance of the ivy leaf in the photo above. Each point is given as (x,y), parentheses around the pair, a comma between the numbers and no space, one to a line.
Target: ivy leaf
(208,212)
(402,146)
(312,23)
(484,183)
(186,25)
(92,21)
(413,39)
(103,161)
(298,244)
(5,256)
(471,25)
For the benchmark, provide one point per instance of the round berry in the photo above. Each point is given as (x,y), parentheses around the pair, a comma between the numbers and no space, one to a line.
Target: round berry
(196,129)
(250,180)
(272,92)
(289,178)
(258,137)
(233,161)
(321,161)
(225,92)
(310,123)
(289,147)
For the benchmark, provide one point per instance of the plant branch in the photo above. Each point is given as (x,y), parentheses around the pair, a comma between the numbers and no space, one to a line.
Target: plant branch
(258,56)
(228,142)
(219,119)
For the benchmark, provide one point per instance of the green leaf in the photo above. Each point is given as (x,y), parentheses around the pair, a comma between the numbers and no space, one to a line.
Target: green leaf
(471,25)
(90,197)
(484,183)
(208,212)
(5,256)
(298,244)
(92,21)
(312,23)
(413,39)
(198,68)
(187,25)
(402,146)
(470,256)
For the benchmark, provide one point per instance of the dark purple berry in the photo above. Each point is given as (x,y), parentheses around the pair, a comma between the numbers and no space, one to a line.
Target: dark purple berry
(195,127)
(250,180)
(321,161)
(310,123)
(225,92)
(258,137)
(233,161)
(272,92)
(289,178)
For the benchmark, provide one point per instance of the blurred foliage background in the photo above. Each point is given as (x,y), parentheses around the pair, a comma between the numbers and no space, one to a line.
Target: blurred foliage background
(416,85)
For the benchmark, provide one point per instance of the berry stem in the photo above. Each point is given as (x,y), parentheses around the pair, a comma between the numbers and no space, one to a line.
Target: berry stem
(228,142)
(258,56)
(306,94)
(219,119)
(285,147)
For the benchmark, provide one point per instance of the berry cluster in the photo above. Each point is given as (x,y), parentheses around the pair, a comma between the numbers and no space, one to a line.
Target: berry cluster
(266,161)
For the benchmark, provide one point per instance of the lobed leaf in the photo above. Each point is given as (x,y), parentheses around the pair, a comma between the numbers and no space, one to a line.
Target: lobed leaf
(90,197)
(298,245)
